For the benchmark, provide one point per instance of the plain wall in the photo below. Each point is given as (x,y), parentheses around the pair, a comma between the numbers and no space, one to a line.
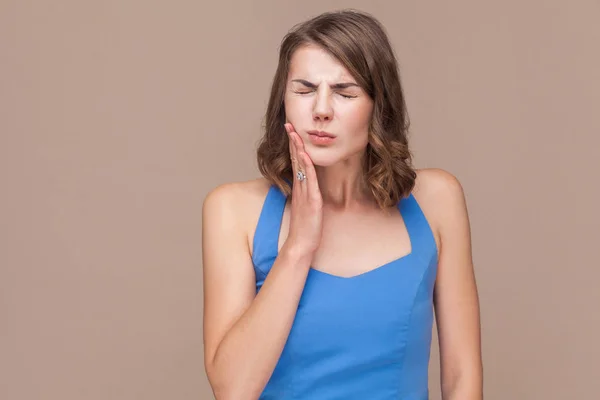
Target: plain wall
(117,117)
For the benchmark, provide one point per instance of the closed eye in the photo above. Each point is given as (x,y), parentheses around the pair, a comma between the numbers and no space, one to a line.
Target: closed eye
(341,94)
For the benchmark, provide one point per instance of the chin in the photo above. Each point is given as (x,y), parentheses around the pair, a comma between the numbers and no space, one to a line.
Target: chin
(328,156)
(324,163)
(322,159)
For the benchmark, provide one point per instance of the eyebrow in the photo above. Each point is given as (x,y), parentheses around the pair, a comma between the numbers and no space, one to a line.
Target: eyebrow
(342,85)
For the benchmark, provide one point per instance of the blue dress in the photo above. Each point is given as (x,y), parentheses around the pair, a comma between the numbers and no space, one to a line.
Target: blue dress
(365,337)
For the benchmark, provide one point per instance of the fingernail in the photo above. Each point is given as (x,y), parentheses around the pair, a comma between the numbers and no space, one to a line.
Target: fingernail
(287,129)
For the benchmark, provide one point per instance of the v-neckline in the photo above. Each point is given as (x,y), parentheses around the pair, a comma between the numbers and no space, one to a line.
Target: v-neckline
(364,274)
(407,225)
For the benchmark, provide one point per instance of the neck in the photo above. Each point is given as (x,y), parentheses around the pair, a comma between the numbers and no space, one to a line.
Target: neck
(342,185)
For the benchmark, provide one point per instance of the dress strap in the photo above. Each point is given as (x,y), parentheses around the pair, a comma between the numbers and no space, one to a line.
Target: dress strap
(421,235)
(266,236)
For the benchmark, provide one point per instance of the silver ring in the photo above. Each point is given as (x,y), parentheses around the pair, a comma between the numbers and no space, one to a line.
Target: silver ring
(300,176)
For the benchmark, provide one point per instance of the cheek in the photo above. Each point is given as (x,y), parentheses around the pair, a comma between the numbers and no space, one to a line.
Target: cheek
(296,108)
(356,118)
(356,122)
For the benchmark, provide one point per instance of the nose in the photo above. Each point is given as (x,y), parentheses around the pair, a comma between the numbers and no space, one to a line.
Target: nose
(322,111)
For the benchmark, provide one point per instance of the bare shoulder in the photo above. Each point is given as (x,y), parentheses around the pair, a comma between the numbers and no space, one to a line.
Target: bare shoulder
(237,194)
(438,183)
(441,197)
(237,203)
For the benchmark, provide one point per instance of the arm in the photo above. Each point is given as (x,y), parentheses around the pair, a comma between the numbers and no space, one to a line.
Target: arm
(244,332)
(456,299)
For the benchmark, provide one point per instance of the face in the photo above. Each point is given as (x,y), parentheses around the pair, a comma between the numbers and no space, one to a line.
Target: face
(327,108)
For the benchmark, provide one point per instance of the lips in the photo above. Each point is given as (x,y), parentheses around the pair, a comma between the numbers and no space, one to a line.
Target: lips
(321,134)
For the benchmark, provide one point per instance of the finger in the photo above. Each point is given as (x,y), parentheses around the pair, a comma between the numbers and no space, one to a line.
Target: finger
(300,143)
(293,154)
(312,184)
(300,162)
(304,160)
(301,168)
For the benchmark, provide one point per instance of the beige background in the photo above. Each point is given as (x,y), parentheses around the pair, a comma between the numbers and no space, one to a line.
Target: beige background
(117,117)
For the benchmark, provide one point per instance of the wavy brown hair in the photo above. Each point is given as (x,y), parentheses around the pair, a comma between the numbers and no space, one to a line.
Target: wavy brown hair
(359,42)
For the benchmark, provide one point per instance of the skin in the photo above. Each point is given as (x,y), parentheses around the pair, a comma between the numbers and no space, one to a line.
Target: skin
(330,224)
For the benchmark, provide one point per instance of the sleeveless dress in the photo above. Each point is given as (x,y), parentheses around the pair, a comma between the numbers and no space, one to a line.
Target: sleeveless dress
(365,337)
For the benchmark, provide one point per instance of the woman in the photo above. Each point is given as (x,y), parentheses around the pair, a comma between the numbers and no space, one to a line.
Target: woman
(320,278)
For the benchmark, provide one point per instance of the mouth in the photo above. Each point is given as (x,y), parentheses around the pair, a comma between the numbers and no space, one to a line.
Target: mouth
(321,138)
(321,134)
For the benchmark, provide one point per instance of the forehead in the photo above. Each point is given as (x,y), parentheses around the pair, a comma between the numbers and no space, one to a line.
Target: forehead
(313,62)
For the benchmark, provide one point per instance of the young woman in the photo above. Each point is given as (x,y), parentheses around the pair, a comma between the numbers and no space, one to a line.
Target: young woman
(321,278)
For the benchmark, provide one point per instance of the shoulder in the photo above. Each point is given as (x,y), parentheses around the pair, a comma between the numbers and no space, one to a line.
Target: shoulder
(437,183)
(441,197)
(236,203)
(236,194)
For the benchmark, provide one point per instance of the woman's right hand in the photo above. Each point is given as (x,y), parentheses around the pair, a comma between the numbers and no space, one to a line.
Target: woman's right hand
(306,215)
